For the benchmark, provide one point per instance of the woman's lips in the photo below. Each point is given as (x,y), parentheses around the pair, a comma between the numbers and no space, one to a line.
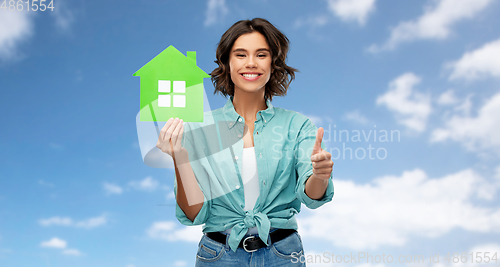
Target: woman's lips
(250,76)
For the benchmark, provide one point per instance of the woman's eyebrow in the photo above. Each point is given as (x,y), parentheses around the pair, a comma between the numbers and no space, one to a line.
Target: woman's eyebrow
(244,50)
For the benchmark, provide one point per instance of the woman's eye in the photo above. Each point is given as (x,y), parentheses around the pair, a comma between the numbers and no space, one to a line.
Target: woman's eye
(262,55)
(240,55)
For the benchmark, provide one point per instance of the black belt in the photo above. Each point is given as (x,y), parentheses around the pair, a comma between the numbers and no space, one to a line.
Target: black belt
(253,243)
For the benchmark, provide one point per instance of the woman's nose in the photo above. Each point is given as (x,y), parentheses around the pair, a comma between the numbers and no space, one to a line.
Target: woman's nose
(250,63)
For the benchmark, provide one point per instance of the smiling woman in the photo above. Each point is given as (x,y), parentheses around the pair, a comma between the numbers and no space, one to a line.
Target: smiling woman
(247,196)
(250,69)
(271,46)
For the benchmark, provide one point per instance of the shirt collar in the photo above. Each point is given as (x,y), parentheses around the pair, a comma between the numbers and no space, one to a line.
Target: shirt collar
(231,115)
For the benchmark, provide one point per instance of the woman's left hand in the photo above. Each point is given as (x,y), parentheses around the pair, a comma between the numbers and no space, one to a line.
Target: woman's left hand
(321,159)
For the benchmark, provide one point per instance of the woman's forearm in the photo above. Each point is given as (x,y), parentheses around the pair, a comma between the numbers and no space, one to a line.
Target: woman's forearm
(315,187)
(189,196)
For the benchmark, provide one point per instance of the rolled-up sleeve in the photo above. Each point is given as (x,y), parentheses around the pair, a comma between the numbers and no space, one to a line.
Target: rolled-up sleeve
(188,142)
(200,218)
(303,166)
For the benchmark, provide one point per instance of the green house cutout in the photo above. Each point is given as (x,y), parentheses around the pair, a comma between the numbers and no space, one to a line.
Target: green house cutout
(172,86)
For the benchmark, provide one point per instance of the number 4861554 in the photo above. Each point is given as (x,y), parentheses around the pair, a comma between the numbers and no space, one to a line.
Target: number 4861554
(20,5)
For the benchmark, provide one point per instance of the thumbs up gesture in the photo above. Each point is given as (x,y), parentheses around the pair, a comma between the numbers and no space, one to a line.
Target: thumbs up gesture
(321,159)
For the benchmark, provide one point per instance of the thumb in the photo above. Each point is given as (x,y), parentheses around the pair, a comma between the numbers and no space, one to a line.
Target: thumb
(319,137)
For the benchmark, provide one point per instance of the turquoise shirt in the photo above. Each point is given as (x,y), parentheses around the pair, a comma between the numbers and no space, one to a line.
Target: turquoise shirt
(283,143)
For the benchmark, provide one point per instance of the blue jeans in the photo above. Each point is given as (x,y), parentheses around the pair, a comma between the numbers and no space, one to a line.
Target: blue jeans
(285,252)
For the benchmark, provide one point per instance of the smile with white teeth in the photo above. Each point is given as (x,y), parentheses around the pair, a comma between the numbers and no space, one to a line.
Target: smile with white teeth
(250,75)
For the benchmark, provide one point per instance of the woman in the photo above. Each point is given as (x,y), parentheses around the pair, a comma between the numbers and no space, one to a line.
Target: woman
(246,177)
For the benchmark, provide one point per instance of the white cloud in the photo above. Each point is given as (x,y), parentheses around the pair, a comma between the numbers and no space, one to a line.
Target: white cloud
(447,98)
(63,221)
(318,120)
(15,27)
(92,222)
(54,243)
(352,10)
(475,133)
(356,11)
(180,263)
(312,21)
(435,23)
(410,107)
(147,184)
(172,231)
(44,183)
(216,10)
(63,16)
(170,195)
(466,105)
(492,248)
(72,252)
(315,119)
(355,116)
(112,189)
(480,63)
(60,244)
(392,209)
(66,221)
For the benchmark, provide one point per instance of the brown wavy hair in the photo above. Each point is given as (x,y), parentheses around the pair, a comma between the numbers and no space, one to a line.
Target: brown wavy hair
(281,75)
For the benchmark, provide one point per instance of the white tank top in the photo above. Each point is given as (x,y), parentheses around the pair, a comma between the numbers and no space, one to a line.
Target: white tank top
(250,178)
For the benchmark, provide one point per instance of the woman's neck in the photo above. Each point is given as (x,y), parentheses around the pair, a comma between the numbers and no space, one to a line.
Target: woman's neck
(248,104)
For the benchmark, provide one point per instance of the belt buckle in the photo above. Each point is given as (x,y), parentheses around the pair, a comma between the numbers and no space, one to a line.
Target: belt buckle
(245,245)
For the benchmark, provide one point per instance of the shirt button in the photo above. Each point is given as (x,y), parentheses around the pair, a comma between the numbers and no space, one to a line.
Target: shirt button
(236,157)
(257,132)
(264,182)
(239,119)
(239,135)
(265,121)
(260,155)
(237,186)
(231,124)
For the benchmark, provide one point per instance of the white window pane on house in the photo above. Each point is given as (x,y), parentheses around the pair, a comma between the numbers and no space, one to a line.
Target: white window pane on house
(163,86)
(164,101)
(179,101)
(180,87)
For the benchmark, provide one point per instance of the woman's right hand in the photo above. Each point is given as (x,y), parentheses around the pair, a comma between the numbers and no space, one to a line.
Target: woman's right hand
(170,137)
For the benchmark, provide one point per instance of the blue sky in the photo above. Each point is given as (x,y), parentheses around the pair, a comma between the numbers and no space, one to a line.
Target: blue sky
(75,192)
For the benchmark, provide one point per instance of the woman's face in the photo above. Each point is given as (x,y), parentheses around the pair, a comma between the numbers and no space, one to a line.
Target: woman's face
(250,62)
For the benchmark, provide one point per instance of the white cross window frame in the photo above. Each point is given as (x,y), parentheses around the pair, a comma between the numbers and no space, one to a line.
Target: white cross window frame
(174,98)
